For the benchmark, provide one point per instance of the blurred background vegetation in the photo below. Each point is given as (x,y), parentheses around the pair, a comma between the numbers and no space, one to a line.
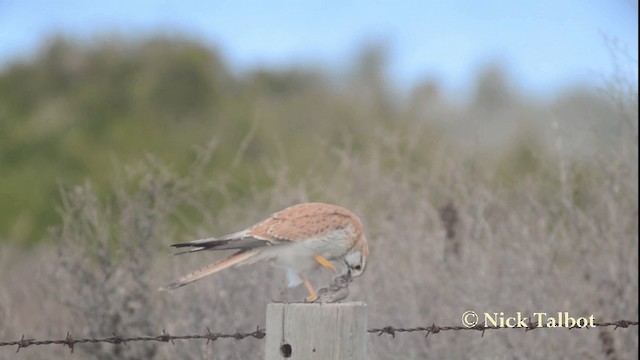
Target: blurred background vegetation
(80,109)
(112,148)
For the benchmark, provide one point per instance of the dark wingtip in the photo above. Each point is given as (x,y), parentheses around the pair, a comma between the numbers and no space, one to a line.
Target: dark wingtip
(179,245)
(189,251)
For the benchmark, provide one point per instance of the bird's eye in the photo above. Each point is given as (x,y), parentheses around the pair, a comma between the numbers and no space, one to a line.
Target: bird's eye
(357,267)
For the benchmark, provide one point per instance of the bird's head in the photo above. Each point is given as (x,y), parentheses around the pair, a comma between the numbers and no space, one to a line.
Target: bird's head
(356,258)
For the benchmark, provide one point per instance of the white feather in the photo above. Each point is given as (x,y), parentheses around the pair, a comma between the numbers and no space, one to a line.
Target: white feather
(293,279)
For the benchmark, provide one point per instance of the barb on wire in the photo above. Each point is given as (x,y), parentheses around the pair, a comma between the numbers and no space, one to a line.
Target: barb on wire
(259,333)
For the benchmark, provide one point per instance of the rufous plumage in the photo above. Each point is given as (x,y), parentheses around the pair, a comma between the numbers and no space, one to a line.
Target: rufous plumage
(299,239)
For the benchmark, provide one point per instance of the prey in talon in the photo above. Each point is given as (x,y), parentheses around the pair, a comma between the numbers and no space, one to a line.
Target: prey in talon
(298,239)
(337,291)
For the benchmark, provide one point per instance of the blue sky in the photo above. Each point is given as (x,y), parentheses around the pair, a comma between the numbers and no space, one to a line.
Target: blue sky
(545,45)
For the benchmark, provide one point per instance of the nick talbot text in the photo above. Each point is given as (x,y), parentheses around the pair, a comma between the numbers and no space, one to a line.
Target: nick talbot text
(542,319)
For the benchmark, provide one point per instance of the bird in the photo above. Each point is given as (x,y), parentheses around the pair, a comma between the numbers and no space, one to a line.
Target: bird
(299,239)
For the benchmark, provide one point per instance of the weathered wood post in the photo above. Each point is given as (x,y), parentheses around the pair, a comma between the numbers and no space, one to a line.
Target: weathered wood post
(317,331)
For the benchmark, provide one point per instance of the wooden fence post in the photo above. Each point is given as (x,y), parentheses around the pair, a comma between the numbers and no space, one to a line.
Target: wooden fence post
(316,331)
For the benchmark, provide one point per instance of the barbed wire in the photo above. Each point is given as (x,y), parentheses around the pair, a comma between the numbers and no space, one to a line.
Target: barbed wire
(117,339)
(434,329)
(259,333)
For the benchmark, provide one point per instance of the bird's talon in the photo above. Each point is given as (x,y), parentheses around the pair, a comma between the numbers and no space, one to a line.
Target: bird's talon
(313,295)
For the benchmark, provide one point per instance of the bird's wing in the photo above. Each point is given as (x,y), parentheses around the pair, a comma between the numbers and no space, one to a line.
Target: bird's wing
(295,223)
(240,242)
(301,222)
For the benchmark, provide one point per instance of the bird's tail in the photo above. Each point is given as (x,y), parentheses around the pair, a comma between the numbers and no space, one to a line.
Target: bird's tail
(236,259)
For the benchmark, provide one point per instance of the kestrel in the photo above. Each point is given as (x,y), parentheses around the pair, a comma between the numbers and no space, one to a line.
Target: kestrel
(299,239)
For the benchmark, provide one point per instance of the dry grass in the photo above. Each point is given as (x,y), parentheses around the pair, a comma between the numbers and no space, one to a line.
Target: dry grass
(557,234)
(559,237)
